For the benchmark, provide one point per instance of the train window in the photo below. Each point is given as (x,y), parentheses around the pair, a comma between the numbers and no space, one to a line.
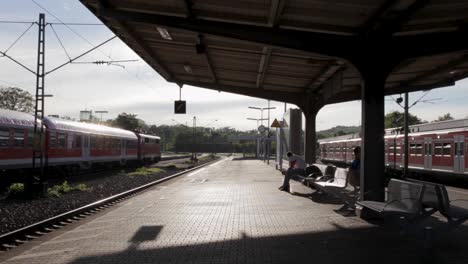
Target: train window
(61,140)
(107,144)
(77,141)
(30,138)
(4,137)
(94,142)
(462,148)
(438,149)
(147,140)
(100,142)
(446,149)
(412,150)
(18,138)
(52,139)
(117,143)
(157,141)
(418,149)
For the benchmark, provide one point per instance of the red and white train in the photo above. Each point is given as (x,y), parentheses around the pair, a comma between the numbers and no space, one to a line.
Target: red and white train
(434,148)
(71,144)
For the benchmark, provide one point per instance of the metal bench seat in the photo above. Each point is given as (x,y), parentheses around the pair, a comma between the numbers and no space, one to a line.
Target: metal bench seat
(436,198)
(454,214)
(318,172)
(339,182)
(404,199)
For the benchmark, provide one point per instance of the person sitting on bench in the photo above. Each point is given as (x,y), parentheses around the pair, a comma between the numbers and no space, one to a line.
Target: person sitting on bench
(297,166)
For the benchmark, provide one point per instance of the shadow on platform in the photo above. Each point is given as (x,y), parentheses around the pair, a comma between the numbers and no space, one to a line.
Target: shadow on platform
(342,245)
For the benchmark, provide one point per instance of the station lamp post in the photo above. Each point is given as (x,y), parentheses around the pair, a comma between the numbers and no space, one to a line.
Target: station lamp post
(258,134)
(101,112)
(268,125)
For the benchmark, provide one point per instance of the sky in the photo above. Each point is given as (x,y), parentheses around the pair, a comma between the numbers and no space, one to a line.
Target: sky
(136,88)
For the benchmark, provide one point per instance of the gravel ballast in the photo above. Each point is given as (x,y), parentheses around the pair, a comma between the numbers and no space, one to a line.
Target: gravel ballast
(17,213)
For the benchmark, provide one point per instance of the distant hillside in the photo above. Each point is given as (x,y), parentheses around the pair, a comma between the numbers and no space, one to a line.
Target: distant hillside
(338,131)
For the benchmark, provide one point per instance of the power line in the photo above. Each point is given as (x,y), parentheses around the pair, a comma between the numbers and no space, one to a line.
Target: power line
(76,24)
(16,22)
(86,40)
(61,44)
(11,46)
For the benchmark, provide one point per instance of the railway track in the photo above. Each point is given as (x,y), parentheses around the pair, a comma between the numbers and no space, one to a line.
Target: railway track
(22,235)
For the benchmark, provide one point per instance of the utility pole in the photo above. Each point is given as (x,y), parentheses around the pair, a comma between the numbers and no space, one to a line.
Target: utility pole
(194,153)
(36,181)
(406,149)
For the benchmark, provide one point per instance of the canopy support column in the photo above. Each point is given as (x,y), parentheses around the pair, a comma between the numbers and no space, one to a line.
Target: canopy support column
(373,130)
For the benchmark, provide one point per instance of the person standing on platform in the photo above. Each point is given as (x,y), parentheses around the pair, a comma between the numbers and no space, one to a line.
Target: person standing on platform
(297,166)
(355,170)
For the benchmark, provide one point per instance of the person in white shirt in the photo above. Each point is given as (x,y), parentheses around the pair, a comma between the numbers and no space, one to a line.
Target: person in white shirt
(297,166)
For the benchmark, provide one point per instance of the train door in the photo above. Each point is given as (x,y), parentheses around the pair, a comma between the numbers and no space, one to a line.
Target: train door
(428,153)
(85,147)
(459,154)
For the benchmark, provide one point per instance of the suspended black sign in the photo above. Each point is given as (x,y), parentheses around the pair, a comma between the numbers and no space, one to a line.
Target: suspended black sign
(179,107)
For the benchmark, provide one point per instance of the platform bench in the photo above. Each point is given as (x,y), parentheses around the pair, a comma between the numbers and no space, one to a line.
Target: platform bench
(404,199)
(324,173)
(335,185)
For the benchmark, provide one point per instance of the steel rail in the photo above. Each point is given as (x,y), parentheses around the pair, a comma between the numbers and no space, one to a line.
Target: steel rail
(20,236)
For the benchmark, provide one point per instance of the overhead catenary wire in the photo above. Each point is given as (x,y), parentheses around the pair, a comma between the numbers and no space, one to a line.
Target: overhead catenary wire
(79,56)
(85,39)
(16,41)
(17,22)
(60,41)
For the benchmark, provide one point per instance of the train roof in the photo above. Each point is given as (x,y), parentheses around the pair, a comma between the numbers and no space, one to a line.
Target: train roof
(149,136)
(433,132)
(69,125)
(15,118)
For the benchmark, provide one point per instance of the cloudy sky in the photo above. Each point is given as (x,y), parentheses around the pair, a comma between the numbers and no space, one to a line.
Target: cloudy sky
(140,90)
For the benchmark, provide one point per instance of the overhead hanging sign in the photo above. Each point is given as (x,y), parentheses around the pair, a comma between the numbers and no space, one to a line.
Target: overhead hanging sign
(180,107)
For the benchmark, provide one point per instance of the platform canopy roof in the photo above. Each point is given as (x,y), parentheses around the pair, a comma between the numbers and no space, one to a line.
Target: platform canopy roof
(286,49)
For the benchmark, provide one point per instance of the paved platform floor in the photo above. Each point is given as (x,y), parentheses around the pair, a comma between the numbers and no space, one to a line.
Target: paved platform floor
(232,212)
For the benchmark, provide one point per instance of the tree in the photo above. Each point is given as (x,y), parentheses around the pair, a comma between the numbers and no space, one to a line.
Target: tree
(16,99)
(128,122)
(396,119)
(445,117)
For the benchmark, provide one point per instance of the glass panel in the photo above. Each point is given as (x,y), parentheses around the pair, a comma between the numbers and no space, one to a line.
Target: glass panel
(4,137)
(52,139)
(94,143)
(61,140)
(462,148)
(446,149)
(18,139)
(30,138)
(77,142)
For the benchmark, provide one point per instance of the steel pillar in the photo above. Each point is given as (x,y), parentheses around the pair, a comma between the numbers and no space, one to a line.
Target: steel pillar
(36,182)
(372,134)
(310,144)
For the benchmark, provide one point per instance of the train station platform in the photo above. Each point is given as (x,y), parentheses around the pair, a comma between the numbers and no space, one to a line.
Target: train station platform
(232,212)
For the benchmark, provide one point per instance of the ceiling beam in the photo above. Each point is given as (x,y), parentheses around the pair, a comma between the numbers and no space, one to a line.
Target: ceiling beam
(210,66)
(321,43)
(329,70)
(188,9)
(264,61)
(389,27)
(443,68)
(373,20)
(292,98)
(276,10)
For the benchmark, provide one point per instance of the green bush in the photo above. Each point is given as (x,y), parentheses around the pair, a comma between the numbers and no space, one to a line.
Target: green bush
(145,171)
(15,190)
(63,188)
